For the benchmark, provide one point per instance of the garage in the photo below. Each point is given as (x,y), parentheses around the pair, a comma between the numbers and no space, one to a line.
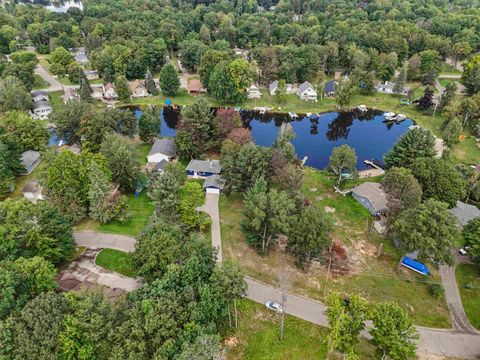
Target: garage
(212,190)
(213,184)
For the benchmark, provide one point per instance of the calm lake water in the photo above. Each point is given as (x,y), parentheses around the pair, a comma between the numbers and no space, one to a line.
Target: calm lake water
(316,136)
(55,6)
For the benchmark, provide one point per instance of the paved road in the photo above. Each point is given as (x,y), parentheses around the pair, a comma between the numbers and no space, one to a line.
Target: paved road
(55,85)
(211,208)
(92,239)
(459,318)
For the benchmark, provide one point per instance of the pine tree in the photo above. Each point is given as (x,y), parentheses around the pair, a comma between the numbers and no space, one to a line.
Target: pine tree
(169,82)
(107,76)
(400,83)
(123,88)
(150,83)
(85,90)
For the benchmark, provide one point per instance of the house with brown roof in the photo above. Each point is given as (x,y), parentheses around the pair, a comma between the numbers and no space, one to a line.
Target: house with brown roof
(138,89)
(109,92)
(194,87)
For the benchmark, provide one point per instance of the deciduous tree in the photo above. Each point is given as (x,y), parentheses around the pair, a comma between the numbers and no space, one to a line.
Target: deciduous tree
(123,88)
(240,136)
(471,236)
(149,125)
(14,95)
(67,120)
(31,134)
(343,160)
(169,82)
(191,197)
(471,74)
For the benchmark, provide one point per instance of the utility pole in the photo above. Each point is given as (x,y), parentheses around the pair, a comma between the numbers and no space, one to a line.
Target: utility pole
(282,319)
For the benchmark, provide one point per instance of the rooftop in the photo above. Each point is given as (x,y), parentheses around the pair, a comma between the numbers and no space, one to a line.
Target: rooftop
(330,86)
(214,181)
(374,193)
(465,212)
(304,86)
(163,146)
(29,158)
(210,166)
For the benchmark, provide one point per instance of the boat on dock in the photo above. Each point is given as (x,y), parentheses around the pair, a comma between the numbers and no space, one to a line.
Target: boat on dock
(362,108)
(400,118)
(292,115)
(309,114)
(389,116)
(262,109)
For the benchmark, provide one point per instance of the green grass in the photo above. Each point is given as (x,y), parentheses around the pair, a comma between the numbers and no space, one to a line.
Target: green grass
(466,151)
(142,152)
(445,82)
(447,69)
(65,81)
(375,277)
(258,337)
(117,261)
(470,274)
(39,83)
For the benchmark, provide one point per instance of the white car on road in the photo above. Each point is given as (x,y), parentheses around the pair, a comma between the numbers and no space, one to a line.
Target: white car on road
(274,306)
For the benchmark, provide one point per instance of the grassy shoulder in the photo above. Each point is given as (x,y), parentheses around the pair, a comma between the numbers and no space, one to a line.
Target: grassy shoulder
(117,261)
(377,278)
(258,337)
(468,281)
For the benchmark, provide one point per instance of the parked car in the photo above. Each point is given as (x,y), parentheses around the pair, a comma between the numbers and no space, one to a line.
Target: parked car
(274,306)
(463,251)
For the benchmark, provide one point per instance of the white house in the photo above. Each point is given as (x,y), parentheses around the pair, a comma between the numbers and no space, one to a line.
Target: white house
(274,86)
(307,92)
(465,213)
(138,89)
(41,110)
(32,191)
(213,184)
(388,88)
(162,149)
(203,168)
(109,92)
(253,92)
(91,74)
(80,55)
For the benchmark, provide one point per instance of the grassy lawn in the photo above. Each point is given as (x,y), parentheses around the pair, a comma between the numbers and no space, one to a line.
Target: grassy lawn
(117,261)
(65,81)
(447,69)
(39,83)
(258,337)
(445,82)
(469,274)
(375,277)
(142,152)
(467,151)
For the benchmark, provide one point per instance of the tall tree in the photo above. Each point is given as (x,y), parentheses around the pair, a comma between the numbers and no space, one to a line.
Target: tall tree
(229,81)
(429,228)
(401,79)
(169,82)
(417,143)
(228,119)
(14,95)
(60,59)
(123,88)
(67,120)
(191,197)
(343,160)
(471,236)
(94,127)
(426,102)
(451,133)
(471,74)
(31,134)
(344,92)
(448,95)
(150,83)
(281,93)
(10,160)
(85,90)
(393,332)
(149,125)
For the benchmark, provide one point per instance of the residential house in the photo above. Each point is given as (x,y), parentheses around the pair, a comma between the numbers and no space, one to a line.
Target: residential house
(70,94)
(371,196)
(465,212)
(307,92)
(32,191)
(41,110)
(274,86)
(388,88)
(194,87)
(253,92)
(214,184)
(329,90)
(203,168)
(80,55)
(138,89)
(39,95)
(160,166)
(109,92)
(162,149)
(91,74)
(30,160)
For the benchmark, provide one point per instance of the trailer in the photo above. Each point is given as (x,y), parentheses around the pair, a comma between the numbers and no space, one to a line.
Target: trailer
(415,266)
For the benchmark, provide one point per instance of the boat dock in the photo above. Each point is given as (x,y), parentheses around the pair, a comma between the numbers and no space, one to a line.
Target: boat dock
(376,171)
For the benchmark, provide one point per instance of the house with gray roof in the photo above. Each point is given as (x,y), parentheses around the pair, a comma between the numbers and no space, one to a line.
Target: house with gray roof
(214,184)
(203,168)
(388,88)
(162,149)
(160,166)
(465,212)
(329,89)
(80,55)
(38,95)
(30,160)
(371,196)
(272,88)
(307,92)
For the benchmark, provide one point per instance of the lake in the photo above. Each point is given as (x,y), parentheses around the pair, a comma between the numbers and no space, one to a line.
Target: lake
(55,6)
(316,136)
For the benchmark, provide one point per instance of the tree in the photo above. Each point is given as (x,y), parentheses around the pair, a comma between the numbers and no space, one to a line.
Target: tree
(267,215)
(429,228)
(125,120)
(59,60)
(448,95)
(208,61)
(229,281)
(196,129)
(417,143)
(310,236)
(243,165)
(426,102)
(414,71)
(31,134)
(439,180)
(93,129)
(165,192)
(67,120)
(343,160)
(191,197)
(393,332)
(228,119)
(121,160)
(204,347)
(344,92)
(106,202)
(281,93)
(85,90)
(149,125)
(400,83)
(472,179)
(471,75)
(13,95)
(169,82)
(229,81)
(429,64)
(452,131)
(346,319)
(123,88)
(10,160)
(471,236)
(48,236)
(402,190)
(150,83)
(240,136)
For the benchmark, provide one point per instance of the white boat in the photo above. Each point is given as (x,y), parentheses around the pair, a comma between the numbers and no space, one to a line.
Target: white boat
(309,114)
(292,115)
(389,115)
(362,108)
(400,118)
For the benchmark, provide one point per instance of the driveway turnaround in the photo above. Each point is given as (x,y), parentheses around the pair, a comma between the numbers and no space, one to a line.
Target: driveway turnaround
(211,208)
(92,239)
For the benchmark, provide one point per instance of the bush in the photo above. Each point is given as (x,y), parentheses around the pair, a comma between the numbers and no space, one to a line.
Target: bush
(436,290)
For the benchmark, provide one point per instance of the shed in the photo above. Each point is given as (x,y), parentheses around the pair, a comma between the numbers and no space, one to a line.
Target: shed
(194,87)
(162,149)
(214,184)
(30,160)
(32,191)
(203,168)
(371,196)
(465,212)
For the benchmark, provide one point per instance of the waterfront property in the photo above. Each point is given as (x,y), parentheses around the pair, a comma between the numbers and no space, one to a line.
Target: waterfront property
(109,92)
(138,89)
(273,87)
(465,213)
(214,184)
(253,92)
(30,160)
(307,92)
(203,168)
(162,149)
(371,196)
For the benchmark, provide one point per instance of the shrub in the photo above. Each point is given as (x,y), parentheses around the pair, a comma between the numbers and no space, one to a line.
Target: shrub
(436,290)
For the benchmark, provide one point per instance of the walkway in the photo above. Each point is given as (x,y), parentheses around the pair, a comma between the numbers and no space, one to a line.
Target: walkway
(211,208)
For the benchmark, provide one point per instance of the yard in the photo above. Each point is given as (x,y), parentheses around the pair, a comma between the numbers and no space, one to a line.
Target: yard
(117,261)
(375,277)
(468,281)
(258,337)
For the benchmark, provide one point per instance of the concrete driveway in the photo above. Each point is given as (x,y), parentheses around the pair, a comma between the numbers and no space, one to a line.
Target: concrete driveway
(92,239)
(55,85)
(211,208)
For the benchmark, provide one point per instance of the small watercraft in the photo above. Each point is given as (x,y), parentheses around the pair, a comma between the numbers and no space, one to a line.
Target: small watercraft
(362,108)
(400,118)
(292,115)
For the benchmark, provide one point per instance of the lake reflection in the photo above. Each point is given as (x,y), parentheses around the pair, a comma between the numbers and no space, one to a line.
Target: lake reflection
(55,6)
